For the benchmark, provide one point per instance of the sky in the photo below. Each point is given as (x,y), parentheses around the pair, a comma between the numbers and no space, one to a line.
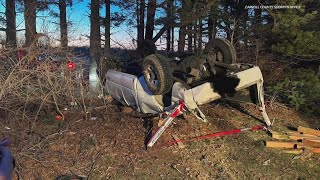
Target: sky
(78,32)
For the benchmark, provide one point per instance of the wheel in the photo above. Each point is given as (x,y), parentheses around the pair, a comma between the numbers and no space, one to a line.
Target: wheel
(221,50)
(158,74)
(146,47)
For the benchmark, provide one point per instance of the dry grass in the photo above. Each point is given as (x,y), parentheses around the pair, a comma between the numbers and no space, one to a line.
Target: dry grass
(28,89)
(32,94)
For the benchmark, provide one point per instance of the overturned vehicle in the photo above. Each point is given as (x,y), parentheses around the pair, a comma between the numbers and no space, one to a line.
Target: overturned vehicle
(169,86)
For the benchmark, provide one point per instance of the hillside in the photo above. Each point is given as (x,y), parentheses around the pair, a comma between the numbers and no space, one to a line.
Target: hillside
(112,147)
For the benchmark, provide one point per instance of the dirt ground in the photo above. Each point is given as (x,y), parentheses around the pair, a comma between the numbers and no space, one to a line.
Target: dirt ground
(112,146)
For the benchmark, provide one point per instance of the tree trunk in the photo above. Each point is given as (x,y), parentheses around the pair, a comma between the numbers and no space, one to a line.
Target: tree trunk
(95,37)
(182,30)
(190,38)
(140,20)
(107,47)
(107,28)
(200,34)
(63,23)
(211,24)
(257,21)
(172,39)
(210,27)
(168,39)
(195,35)
(182,40)
(244,28)
(169,7)
(191,17)
(151,11)
(30,7)
(11,32)
(233,34)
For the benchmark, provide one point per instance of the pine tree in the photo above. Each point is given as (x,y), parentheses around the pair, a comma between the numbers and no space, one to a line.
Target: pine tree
(294,33)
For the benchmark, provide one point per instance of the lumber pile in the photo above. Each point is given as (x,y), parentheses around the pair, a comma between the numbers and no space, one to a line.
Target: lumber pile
(303,142)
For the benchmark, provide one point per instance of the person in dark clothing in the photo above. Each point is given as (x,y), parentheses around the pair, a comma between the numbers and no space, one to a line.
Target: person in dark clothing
(6,161)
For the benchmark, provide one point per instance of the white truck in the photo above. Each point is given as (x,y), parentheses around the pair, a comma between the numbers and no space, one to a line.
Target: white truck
(196,80)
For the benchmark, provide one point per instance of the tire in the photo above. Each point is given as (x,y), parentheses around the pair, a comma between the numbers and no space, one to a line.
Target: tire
(221,50)
(157,74)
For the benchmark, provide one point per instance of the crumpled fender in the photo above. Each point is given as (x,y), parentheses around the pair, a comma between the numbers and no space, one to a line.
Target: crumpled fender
(132,91)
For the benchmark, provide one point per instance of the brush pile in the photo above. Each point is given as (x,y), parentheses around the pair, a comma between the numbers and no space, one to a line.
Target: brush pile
(37,83)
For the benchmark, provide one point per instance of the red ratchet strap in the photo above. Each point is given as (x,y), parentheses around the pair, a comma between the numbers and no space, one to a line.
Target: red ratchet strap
(219,134)
(173,114)
(179,110)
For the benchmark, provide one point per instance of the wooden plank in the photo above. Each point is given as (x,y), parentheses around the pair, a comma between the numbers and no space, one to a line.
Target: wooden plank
(286,145)
(305,154)
(180,144)
(306,130)
(294,137)
(293,151)
(316,150)
(294,133)
(299,151)
(311,143)
(297,133)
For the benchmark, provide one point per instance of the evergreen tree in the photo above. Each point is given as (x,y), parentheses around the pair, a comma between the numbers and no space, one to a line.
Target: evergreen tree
(296,32)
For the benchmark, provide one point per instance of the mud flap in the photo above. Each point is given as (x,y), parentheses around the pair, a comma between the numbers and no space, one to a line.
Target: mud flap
(261,104)
(199,114)
(181,92)
(255,95)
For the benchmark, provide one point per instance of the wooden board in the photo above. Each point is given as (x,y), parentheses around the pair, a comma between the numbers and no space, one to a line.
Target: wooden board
(180,144)
(305,154)
(299,151)
(311,143)
(298,133)
(293,151)
(285,145)
(276,135)
(316,150)
(305,130)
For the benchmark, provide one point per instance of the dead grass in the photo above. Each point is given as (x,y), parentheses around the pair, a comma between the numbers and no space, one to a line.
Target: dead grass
(31,95)
(113,148)
(28,87)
